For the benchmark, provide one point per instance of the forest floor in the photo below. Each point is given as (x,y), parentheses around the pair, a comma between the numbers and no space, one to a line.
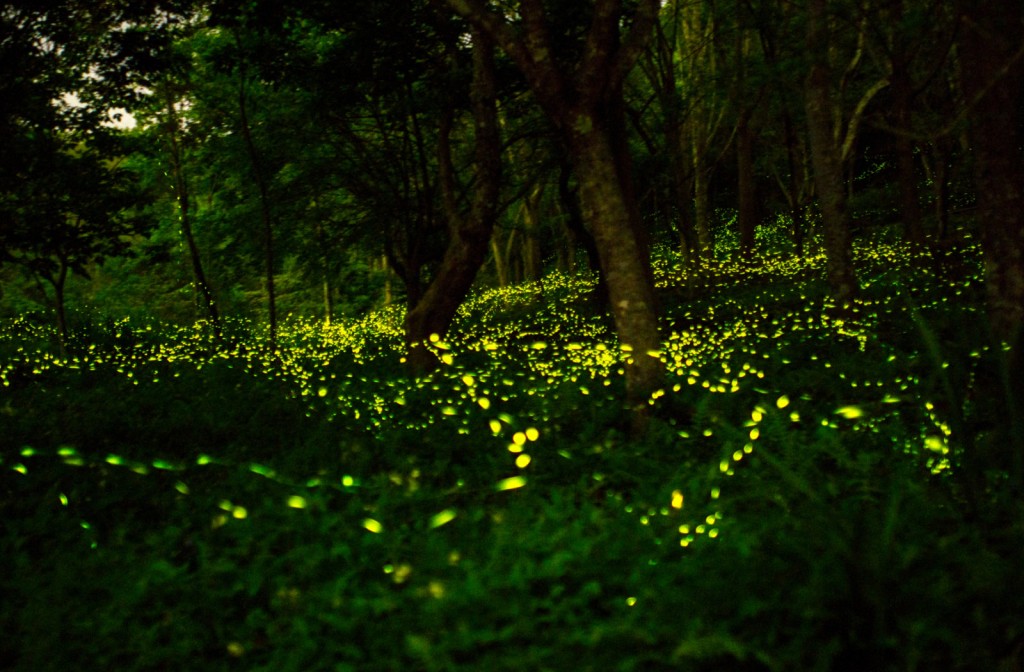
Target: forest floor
(801,500)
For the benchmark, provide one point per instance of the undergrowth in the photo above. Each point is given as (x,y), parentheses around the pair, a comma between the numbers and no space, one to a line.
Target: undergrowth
(799,502)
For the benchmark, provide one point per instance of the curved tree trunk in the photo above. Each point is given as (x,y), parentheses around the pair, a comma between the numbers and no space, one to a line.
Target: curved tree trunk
(470,233)
(184,205)
(581,101)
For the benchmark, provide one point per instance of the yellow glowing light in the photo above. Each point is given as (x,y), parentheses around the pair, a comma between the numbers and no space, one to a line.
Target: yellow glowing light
(436,589)
(677,499)
(782,401)
(297,502)
(372,525)
(522,461)
(322,392)
(239,512)
(495,426)
(630,601)
(519,438)
(510,483)
(532,433)
(484,403)
(850,412)
(442,518)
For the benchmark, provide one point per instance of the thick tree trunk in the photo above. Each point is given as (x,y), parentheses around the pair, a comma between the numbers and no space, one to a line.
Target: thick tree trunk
(629,290)
(991,35)
(747,218)
(826,159)
(581,100)
(470,232)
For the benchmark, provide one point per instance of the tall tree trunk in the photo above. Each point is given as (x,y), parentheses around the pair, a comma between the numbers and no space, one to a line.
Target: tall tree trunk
(902,94)
(702,197)
(581,101)
(629,290)
(266,217)
(325,268)
(991,35)
(795,160)
(181,193)
(470,232)
(578,232)
(747,217)
(826,159)
(59,281)
(531,252)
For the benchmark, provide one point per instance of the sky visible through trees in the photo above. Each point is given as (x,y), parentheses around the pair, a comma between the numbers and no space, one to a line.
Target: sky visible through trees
(608,224)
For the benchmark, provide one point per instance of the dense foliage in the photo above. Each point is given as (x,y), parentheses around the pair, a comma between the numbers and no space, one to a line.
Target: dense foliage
(486,335)
(800,501)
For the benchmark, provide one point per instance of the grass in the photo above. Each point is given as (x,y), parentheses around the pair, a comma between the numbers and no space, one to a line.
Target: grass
(798,503)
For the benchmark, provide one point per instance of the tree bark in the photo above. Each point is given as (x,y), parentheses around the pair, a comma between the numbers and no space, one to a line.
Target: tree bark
(702,196)
(266,217)
(581,101)
(470,232)
(59,281)
(991,35)
(826,159)
(629,291)
(902,94)
(747,217)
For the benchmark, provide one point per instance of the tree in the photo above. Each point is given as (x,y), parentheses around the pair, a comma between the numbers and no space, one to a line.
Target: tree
(579,84)
(469,232)
(826,156)
(65,199)
(72,208)
(992,63)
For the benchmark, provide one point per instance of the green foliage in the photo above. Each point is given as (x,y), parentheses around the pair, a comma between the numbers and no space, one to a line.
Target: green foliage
(798,503)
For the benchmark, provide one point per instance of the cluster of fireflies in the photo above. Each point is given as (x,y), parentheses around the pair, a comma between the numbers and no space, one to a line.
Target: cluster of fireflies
(518,357)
